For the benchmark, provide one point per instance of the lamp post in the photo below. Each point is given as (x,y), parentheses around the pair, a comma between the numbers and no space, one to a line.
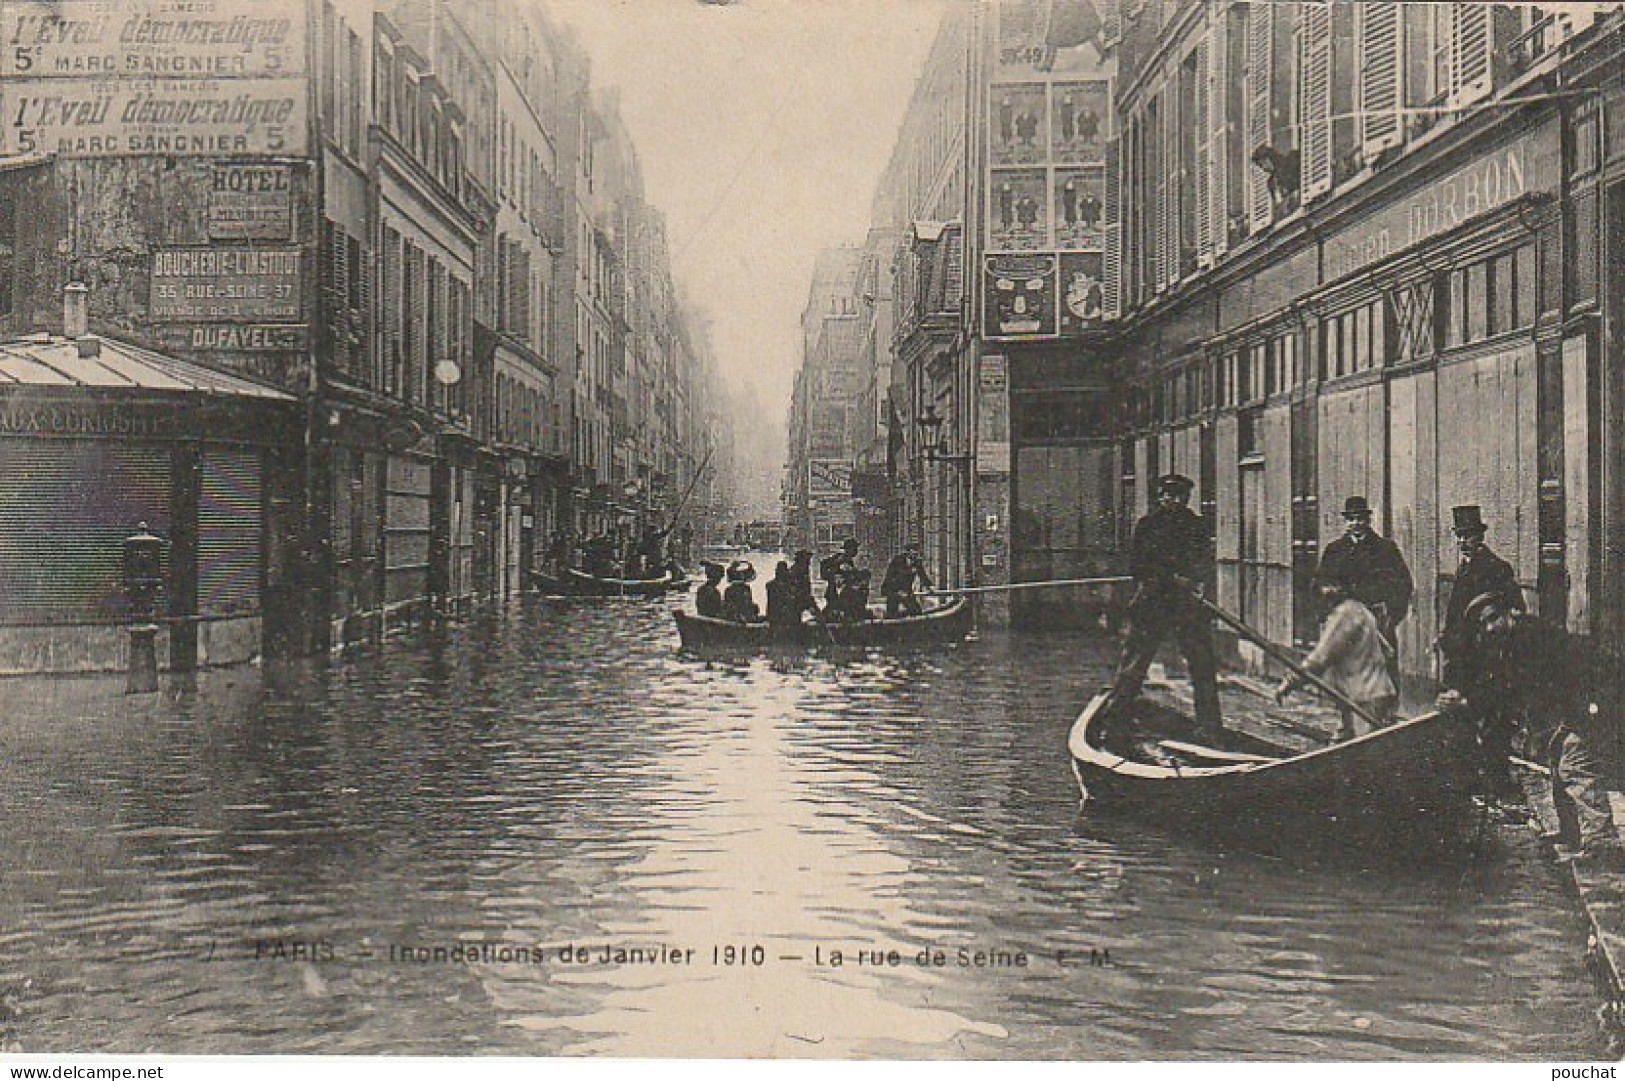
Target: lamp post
(935,444)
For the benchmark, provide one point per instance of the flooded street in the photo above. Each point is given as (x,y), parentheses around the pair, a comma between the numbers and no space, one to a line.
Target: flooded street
(553,833)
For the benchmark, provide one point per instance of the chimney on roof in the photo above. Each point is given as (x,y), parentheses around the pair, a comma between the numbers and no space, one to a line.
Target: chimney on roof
(75,310)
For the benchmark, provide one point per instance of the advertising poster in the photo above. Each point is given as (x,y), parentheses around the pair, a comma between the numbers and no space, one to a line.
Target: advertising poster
(1018,220)
(209,39)
(1081,281)
(1080,119)
(1080,204)
(1017,128)
(1044,36)
(1019,295)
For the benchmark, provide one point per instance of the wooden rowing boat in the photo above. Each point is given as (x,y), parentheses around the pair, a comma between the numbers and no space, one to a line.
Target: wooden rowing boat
(948,623)
(1404,786)
(574,583)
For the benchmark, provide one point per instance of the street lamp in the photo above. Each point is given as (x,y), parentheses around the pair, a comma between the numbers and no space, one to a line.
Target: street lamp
(936,446)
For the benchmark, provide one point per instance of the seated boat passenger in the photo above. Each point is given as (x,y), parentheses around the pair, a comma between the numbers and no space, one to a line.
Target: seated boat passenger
(849,601)
(737,602)
(904,570)
(783,609)
(708,598)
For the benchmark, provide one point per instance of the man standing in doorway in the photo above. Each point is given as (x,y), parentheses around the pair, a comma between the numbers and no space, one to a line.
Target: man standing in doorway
(1171,555)
(1480,573)
(1366,566)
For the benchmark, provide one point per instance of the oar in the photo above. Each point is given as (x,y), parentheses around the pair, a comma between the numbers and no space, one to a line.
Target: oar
(1287,659)
(1102,581)
(677,514)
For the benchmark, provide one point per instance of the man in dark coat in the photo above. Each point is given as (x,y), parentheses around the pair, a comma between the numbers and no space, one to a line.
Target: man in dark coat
(1171,555)
(1365,565)
(1481,572)
(904,570)
(1517,674)
(801,578)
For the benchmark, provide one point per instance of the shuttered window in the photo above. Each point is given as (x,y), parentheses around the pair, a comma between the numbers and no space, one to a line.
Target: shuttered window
(65,510)
(1111,289)
(1260,65)
(1379,32)
(1202,124)
(229,533)
(1471,69)
(1217,123)
(1315,99)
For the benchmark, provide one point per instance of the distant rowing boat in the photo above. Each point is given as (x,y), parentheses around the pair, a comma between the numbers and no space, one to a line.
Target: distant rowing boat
(1405,785)
(949,623)
(574,583)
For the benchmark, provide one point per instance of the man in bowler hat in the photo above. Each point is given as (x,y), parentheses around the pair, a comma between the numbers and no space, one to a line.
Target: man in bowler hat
(1170,556)
(1365,565)
(1480,573)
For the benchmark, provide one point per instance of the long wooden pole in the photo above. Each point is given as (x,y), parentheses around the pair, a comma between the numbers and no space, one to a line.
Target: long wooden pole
(681,503)
(1287,659)
(1055,582)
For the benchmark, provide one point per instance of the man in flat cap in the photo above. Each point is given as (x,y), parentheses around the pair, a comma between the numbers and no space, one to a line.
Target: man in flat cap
(1170,557)
(1364,565)
(1481,572)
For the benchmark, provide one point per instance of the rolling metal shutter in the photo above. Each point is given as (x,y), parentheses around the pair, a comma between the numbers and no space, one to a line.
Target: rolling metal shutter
(65,509)
(229,533)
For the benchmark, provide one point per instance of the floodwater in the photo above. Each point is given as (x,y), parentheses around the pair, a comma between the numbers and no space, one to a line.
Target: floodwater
(550,832)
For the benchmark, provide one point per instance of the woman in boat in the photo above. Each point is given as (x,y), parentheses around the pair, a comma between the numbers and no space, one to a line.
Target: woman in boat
(1354,658)
(737,602)
(708,598)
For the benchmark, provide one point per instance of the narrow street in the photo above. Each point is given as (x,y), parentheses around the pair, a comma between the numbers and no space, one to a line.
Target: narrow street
(553,833)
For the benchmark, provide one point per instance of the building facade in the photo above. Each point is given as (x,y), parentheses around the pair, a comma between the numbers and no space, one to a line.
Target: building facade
(412,218)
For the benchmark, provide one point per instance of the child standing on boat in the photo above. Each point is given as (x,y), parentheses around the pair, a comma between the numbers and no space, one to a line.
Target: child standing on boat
(1353,658)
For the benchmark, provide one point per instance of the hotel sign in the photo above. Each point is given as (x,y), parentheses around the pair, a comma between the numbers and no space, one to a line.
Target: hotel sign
(251,202)
(191,117)
(232,285)
(1528,164)
(210,39)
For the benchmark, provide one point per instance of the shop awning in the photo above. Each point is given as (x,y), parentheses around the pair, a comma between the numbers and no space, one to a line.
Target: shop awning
(93,362)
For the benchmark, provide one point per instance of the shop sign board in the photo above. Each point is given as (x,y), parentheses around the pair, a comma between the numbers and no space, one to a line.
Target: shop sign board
(829,478)
(249,201)
(1530,163)
(77,118)
(993,415)
(232,285)
(235,337)
(211,39)
(1018,296)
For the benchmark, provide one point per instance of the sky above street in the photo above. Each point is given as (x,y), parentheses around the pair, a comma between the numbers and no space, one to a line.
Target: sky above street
(762,127)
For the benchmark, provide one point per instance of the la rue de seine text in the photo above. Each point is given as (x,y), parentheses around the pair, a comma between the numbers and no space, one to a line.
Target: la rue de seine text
(718,955)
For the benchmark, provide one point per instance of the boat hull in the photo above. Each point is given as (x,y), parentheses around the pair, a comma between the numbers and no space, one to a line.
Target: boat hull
(574,583)
(1407,785)
(950,623)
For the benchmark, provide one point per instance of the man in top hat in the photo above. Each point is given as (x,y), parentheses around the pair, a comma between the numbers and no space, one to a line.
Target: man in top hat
(1364,565)
(1480,573)
(1171,555)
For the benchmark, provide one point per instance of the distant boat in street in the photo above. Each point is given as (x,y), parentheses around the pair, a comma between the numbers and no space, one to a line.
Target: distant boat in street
(1405,786)
(574,583)
(949,623)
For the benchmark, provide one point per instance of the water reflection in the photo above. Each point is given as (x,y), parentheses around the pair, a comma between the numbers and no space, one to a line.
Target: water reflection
(268,862)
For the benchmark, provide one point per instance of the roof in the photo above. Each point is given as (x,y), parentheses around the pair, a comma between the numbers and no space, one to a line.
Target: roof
(43,361)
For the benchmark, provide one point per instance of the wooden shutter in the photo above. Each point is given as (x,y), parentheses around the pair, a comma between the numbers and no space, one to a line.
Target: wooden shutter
(1315,99)
(1111,286)
(1471,70)
(1379,31)
(1260,64)
(1205,161)
(1217,122)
